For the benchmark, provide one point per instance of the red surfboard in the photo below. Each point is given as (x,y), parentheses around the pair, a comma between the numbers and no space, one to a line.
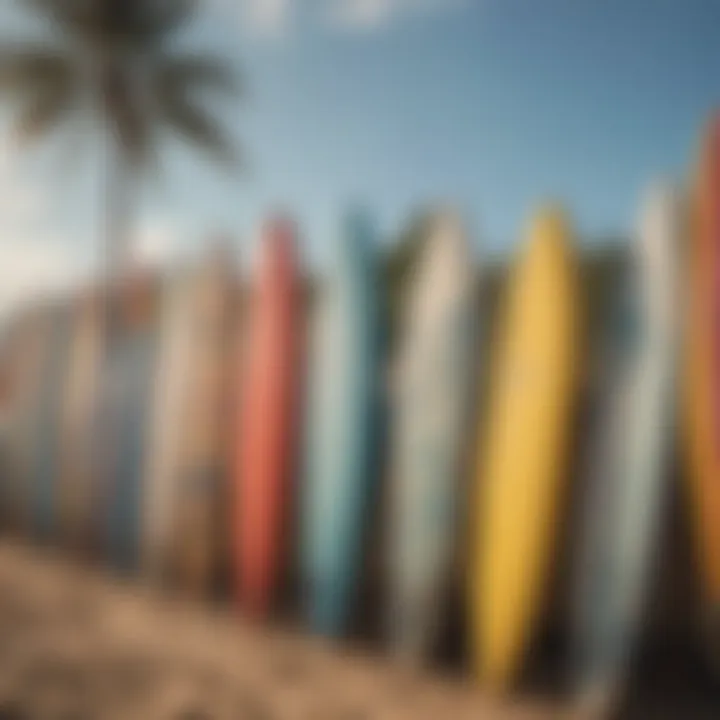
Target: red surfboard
(269,390)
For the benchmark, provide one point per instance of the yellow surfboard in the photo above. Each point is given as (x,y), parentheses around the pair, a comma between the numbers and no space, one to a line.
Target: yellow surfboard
(702,378)
(519,475)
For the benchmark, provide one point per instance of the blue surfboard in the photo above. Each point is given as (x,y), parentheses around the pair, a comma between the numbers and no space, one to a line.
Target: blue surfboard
(341,443)
(132,368)
(47,456)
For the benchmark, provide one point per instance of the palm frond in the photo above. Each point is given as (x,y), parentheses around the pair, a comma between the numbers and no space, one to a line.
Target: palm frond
(74,16)
(133,131)
(175,80)
(115,30)
(43,112)
(43,81)
(34,69)
(126,112)
(194,124)
(107,22)
(182,74)
(162,18)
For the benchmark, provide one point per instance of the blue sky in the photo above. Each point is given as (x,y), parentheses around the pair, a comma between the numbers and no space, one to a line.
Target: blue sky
(490,104)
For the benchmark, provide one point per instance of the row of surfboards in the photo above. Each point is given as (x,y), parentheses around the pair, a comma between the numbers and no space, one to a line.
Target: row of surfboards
(184,447)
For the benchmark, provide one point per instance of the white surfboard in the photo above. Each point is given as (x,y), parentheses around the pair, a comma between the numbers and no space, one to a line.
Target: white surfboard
(169,405)
(625,501)
(431,389)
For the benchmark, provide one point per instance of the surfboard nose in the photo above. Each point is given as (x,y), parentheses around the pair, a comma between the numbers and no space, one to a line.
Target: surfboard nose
(357,236)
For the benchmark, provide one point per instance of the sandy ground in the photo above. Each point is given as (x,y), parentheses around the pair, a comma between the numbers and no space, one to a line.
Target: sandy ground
(77,645)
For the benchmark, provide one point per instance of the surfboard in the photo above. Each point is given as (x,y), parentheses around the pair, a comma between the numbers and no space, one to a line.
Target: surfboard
(106,422)
(702,410)
(45,484)
(133,376)
(265,449)
(10,397)
(28,346)
(81,387)
(6,418)
(521,465)
(433,379)
(619,530)
(614,350)
(169,405)
(343,390)
(199,535)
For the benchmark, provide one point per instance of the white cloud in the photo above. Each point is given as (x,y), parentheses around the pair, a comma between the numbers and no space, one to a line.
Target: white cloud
(268,17)
(261,18)
(361,14)
(155,243)
(274,18)
(372,14)
(31,268)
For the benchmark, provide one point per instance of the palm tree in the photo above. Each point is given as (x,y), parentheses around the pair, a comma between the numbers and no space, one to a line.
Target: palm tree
(114,58)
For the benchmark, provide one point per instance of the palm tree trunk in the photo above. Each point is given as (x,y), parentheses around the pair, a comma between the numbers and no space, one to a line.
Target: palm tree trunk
(117,242)
(114,251)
